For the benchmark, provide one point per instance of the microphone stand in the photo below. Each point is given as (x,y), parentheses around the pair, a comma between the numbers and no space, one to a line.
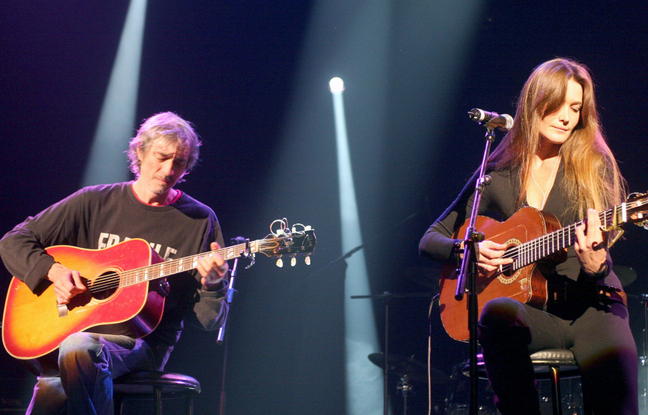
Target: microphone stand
(467,276)
(221,332)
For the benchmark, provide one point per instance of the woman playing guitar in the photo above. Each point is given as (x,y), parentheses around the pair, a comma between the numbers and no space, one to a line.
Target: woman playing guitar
(556,160)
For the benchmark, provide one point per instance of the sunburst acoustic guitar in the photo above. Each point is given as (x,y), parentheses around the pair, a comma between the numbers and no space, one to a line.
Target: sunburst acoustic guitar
(119,290)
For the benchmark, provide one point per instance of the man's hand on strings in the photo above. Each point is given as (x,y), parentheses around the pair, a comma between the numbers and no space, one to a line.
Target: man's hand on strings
(212,267)
(67,283)
(591,244)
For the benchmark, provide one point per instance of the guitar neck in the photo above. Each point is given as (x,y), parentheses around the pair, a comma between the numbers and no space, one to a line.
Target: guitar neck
(550,243)
(176,266)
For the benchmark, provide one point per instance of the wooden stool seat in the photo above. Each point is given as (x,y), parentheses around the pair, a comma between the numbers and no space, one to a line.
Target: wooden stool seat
(156,386)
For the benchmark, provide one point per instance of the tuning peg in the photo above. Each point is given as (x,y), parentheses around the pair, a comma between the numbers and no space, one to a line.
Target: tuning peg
(279,263)
(307,260)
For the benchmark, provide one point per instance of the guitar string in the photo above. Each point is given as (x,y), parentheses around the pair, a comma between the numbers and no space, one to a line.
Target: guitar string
(130,277)
(558,234)
(530,250)
(113,280)
(538,248)
(110,281)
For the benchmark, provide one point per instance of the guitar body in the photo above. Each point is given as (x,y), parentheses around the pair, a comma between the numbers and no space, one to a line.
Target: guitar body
(526,285)
(34,326)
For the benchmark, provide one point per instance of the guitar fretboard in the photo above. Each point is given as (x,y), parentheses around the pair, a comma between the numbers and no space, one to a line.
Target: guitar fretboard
(536,249)
(176,266)
(168,268)
(280,244)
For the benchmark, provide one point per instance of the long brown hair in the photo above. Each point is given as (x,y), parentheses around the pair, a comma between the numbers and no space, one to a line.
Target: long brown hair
(591,175)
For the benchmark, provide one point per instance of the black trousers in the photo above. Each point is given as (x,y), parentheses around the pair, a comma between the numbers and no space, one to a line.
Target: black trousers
(595,328)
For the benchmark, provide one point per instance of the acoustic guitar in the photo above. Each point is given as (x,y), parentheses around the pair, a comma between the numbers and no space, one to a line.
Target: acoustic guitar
(119,291)
(530,236)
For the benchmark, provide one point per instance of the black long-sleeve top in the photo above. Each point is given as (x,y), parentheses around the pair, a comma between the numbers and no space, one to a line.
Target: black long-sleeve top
(499,200)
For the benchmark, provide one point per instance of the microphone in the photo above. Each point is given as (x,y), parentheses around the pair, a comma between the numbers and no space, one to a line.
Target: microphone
(491,119)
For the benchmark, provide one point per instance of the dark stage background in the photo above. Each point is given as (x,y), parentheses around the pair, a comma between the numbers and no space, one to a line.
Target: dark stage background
(253,77)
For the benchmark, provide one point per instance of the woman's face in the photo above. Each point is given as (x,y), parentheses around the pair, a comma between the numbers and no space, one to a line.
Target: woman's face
(556,128)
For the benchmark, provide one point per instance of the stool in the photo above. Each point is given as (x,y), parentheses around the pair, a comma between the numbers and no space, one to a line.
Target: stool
(556,364)
(552,364)
(155,385)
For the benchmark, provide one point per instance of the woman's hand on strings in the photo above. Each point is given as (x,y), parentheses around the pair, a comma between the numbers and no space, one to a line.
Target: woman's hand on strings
(491,257)
(591,244)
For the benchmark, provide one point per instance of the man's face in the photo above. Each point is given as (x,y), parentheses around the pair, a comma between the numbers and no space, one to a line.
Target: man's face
(162,166)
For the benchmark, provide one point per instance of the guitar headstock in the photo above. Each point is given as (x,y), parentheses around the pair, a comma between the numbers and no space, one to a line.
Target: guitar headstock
(637,209)
(291,241)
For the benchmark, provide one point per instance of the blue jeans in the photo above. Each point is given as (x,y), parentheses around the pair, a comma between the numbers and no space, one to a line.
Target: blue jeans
(87,365)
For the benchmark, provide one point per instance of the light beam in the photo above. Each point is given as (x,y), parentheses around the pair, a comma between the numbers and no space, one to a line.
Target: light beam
(363,379)
(107,163)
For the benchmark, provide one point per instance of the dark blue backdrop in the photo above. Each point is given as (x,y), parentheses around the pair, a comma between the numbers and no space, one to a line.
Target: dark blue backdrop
(232,67)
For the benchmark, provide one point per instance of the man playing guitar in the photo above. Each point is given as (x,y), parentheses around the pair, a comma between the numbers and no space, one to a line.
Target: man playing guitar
(76,376)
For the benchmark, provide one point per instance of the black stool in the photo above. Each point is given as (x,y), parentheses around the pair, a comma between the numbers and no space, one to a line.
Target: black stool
(552,364)
(555,364)
(155,385)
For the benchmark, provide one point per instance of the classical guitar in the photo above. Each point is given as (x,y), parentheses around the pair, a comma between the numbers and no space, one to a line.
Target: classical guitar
(120,290)
(530,236)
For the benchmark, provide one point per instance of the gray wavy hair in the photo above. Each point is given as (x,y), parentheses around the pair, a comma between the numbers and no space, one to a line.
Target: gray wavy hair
(169,127)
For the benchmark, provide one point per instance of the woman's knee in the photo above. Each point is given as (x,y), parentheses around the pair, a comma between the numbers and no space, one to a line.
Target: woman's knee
(502,322)
(501,312)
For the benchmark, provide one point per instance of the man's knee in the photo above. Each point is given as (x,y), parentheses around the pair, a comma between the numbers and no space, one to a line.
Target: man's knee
(79,347)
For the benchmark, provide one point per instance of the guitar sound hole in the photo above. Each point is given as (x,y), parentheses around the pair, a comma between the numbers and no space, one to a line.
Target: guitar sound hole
(105,285)
(509,270)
